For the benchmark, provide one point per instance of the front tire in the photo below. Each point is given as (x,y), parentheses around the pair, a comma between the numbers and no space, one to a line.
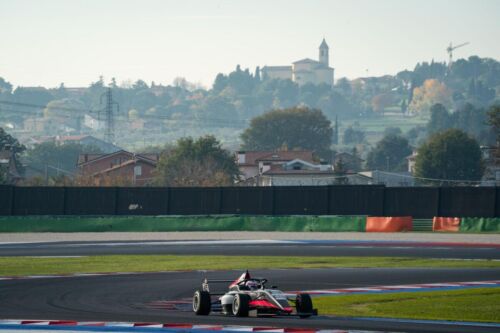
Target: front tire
(202,302)
(303,304)
(241,305)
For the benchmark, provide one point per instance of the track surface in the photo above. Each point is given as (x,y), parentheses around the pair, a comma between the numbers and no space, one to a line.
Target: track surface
(322,248)
(123,298)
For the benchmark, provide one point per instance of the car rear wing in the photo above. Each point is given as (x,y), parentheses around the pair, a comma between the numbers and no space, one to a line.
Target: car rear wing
(206,287)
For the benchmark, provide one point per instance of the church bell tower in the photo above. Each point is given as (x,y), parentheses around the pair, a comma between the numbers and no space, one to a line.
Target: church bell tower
(323,53)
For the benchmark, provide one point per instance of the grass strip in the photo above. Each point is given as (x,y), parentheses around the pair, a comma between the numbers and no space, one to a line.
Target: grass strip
(181,223)
(478,305)
(22,266)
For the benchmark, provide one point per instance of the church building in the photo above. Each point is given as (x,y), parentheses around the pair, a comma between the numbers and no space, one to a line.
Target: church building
(305,70)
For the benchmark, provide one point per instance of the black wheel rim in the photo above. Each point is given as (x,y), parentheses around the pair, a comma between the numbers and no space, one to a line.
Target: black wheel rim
(196,301)
(236,305)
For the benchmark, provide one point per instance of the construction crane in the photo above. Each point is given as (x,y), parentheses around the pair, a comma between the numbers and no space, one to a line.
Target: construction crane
(450,49)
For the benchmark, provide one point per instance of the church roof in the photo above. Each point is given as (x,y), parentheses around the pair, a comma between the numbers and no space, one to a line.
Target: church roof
(306,61)
(323,44)
(276,68)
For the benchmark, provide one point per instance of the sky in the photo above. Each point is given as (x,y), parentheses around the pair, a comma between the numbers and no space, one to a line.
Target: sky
(45,43)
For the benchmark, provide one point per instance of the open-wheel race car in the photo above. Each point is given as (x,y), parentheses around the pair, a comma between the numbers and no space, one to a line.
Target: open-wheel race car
(249,296)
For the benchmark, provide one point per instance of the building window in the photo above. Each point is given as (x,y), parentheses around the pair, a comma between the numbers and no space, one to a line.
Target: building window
(138,170)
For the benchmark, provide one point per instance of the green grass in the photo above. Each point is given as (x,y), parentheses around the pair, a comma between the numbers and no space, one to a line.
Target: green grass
(481,304)
(181,223)
(20,266)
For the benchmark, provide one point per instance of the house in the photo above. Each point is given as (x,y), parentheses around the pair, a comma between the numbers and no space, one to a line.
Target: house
(411,162)
(137,169)
(350,162)
(137,124)
(491,160)
(298,173)
(35,124)
(304,71)
(253,163)
(92,123)
(8,166)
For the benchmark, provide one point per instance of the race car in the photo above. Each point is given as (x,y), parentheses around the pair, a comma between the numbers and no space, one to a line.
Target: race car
(249,296)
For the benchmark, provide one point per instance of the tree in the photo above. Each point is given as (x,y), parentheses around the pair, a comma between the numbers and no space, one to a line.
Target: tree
(431,92)
(381,101)
(58,159)
(494,120)
(389,154)
(440,119)
(66,111)
(8,142)
(5,86)
(392,130)
(3,175)
(353,136)
(468,118)
(293,128)
(450,155)
(201,162)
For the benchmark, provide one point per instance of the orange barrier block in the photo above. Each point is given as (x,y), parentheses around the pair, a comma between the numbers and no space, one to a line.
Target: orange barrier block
(451,224)
(389,224)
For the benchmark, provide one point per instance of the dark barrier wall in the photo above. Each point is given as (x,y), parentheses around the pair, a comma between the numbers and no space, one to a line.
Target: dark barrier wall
(497,202)
(374,200)
(142,201)
(91,201)
(356,200)
(290,200)
(39,201)
(419,202)
(247,200)
(6,196)
(195,200)
(467,201)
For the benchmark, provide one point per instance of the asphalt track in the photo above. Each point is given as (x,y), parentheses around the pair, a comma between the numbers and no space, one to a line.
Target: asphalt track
(125,297)
(279,248)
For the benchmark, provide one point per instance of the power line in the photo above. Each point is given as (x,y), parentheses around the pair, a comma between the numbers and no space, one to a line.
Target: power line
(37,106)
(432,179)
(151,117)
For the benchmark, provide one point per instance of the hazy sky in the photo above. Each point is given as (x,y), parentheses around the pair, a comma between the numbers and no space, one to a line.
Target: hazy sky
(74,41)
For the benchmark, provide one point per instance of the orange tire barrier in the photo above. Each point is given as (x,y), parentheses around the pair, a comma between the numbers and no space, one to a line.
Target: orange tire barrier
(451,224)
(389,224)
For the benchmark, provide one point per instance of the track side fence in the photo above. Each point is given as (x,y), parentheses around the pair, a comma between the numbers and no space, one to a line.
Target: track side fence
(372,200)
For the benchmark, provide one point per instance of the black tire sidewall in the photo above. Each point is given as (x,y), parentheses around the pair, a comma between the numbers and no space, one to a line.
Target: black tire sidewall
(242,301)
(304,303)
(202,301)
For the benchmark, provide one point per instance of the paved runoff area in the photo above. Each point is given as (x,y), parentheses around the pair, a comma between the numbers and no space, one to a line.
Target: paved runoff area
(248,235)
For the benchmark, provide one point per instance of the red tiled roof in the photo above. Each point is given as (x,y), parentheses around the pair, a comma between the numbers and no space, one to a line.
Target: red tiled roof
(93,157)
(153,163)
(72,137)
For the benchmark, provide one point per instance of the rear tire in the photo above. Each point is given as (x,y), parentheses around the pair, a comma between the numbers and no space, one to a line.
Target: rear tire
(303,304)
(241,305)
(202,302)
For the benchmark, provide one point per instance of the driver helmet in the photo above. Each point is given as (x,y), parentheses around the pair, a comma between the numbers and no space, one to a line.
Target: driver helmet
(252,285)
